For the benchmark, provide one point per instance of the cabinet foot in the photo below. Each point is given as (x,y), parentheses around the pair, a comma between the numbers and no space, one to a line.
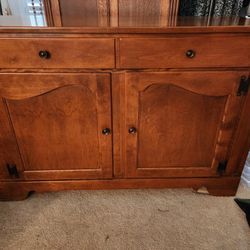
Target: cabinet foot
(217,191)
(8,193)
(222,191)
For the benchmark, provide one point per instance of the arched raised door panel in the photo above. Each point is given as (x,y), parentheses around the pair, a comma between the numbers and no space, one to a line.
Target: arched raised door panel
(52,126)
(185,122)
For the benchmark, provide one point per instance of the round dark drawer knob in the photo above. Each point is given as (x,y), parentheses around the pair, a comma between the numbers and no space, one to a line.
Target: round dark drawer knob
(44,54)
(132,130)
(106,131)
(190,53)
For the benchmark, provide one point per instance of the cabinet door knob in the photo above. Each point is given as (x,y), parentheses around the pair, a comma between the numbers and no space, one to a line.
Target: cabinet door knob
(132,130)
(106,131)
(190,53)
(44,54)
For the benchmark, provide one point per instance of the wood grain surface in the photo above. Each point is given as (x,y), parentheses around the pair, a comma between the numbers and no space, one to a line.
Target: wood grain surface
(64,53)
(57,121)
(210,51)
(124,66)
(185,122)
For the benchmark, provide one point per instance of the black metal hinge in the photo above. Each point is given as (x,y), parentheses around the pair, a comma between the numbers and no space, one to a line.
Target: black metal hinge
(222,167)
(244,86)
(12,170)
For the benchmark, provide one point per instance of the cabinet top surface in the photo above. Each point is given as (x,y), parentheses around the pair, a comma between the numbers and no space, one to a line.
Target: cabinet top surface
(182,25)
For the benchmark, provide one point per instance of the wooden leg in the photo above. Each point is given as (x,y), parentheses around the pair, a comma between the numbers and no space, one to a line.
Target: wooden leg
(9,193)
(230,191)
(217,190)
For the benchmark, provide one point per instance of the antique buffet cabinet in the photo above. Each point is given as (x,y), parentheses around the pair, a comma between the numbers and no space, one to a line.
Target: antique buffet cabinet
(123,94)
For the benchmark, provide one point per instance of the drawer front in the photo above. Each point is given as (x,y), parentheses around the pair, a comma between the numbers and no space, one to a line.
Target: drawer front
(57,53)
(185,52)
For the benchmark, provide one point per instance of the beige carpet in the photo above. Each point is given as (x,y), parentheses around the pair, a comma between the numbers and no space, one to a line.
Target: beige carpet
(124,219)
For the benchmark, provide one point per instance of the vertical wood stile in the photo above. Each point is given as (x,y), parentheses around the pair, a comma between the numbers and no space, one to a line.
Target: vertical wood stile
(173,13)
(103,12)
(56,12)
(177,2)
(114,13)
(164,12)
(48,13)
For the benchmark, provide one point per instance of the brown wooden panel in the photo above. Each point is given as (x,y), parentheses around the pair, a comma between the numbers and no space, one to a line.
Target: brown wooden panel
(175,116)
(9,153)
(58,121)
(211,51)
(139,13)
(64,53)
(185,122)
(114,13)
(147,13)
(48,13)
(55,12)
(94,13)
(86,13)
(118,118)
(79,13)
(241,144)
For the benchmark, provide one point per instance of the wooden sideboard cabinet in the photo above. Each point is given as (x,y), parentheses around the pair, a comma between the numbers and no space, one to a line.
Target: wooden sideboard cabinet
(95,108)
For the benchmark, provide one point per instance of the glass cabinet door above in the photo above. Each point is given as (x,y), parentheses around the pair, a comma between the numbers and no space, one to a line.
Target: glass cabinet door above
(22,13)
(124,13)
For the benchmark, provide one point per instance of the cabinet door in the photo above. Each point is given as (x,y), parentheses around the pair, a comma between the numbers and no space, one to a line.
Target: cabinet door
(181,124)
(52,126)
(88,13)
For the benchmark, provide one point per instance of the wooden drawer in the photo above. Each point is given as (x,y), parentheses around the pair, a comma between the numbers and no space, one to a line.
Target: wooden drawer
(63,53)
(210,51)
